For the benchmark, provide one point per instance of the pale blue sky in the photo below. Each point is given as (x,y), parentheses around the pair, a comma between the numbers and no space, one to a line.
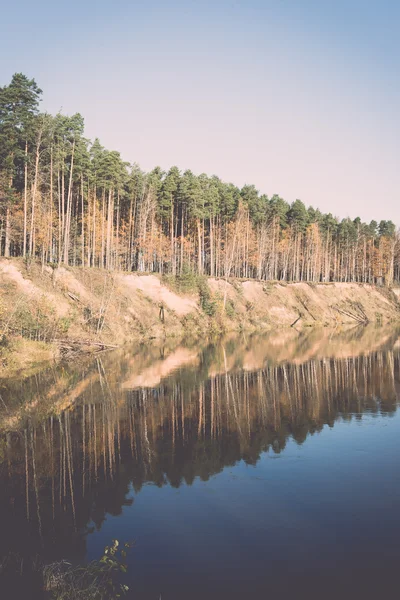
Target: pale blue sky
(299,97)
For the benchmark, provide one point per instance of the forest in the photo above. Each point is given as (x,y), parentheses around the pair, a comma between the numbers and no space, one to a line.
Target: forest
(67,200)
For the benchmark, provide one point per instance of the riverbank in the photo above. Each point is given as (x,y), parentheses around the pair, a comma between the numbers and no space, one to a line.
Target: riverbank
(48,313)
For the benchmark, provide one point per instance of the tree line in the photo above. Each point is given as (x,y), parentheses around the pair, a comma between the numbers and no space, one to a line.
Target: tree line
(67,200)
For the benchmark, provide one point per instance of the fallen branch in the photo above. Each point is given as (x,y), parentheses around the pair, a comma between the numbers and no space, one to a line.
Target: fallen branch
(351,316)
(73,297)
(294,322)
(302,302)
(71,343)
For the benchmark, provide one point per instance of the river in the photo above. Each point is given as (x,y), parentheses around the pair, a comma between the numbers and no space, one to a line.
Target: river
(246,467)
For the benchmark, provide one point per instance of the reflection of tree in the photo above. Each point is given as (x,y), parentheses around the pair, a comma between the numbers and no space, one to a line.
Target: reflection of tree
(61,475)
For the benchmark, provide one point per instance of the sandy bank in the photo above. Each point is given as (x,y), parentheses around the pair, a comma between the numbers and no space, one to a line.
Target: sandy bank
(63,306)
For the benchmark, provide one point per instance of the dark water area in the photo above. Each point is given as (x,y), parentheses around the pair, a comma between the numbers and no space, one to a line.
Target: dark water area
(249,467)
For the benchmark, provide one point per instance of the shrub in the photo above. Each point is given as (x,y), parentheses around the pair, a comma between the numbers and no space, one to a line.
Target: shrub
(249,306)
(230,309)
(185,282)
(188,282)
(35,321)
(207,302)
(96,581)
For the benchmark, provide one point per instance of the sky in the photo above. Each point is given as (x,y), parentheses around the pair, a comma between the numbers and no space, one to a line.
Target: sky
(299,97)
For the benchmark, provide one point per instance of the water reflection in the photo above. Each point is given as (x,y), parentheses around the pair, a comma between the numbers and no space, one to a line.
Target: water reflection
(78,437)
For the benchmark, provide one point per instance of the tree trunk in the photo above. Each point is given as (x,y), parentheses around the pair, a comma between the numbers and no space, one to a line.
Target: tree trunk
(34,190)
(7,239)
(199,261)
(25,199)
(83,224)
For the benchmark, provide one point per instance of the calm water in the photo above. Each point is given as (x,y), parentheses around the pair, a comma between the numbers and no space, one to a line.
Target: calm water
(247,468)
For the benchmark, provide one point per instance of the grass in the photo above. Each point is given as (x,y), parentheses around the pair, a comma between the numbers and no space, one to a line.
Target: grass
(18,354)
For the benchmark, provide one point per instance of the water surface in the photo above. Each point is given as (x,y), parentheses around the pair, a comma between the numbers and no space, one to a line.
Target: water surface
(249,467)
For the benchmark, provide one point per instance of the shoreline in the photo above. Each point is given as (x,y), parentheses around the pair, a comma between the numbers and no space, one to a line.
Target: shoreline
(48,314)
